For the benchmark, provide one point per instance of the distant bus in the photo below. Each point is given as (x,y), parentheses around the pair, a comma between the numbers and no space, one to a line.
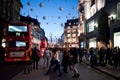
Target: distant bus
(43,46)
(18,42)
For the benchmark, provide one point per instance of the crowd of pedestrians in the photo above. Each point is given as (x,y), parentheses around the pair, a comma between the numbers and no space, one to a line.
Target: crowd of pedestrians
(69,61)
(102,57)
(65,60)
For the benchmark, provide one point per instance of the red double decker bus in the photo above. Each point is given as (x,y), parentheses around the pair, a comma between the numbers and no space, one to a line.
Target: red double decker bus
(18,42)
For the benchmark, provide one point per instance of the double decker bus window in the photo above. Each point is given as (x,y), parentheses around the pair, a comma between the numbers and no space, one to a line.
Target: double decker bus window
(17,30)
(20,44)
(16,44)
(10,44)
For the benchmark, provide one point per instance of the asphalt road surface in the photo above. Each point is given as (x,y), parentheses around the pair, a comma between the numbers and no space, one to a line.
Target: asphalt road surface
(86,73)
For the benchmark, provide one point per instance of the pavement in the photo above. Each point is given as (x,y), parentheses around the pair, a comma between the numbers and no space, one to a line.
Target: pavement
(109,70)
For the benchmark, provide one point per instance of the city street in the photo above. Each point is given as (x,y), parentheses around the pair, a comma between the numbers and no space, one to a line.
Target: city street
(37,33)
(86,73)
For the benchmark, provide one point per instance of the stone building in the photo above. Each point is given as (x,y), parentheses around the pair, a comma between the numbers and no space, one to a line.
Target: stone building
(71,33)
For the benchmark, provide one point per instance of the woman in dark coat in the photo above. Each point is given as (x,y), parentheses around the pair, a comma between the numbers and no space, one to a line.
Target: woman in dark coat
(35,57)
(65,60)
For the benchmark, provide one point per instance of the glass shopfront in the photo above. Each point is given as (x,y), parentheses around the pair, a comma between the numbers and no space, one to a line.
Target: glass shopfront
(92,42)
(117,39)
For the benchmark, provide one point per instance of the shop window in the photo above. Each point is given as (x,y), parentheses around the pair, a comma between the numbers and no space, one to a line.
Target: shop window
(117,39)
(91,26)
(92,42)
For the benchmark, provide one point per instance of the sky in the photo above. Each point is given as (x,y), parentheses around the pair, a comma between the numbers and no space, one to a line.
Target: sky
(52,14)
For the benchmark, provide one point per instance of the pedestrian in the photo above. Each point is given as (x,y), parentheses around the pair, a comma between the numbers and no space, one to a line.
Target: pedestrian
(81,52)
(35,57)
(101,54)
(116,57)
(28,64)
(74,55)
(55,62)
(93,59)
(47,56)
(65,60)
(2,52)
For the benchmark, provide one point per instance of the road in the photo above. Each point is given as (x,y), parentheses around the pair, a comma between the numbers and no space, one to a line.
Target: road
(7,71)
(86,73)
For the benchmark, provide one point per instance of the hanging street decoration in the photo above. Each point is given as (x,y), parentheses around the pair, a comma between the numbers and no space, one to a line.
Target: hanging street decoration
(69,13)
(60,8)
(62,24)
(59,17)
(44,17)
(31,9)
(28,3)
(41,5)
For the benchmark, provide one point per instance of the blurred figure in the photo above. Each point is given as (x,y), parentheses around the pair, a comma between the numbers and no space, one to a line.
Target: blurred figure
(35,57)
(101,54)
(28,64)
(2,52)
(81,52)
(65,60)
(116,57)
(47,56)
(74,54)
(55,62)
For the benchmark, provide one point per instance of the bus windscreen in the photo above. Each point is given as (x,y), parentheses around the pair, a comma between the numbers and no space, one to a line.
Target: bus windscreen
(12,28)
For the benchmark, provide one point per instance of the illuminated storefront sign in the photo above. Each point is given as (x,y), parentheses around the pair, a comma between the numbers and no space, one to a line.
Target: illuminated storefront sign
(92,42)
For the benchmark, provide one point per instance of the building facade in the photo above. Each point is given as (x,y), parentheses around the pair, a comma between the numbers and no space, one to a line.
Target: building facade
(100,22)
(71,33)
(10,10)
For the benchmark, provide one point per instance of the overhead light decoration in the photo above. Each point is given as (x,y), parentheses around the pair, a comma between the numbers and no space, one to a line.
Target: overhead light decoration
(69,13)
(62,24)
(28,3)
(41,5)
(36,16)
(59,17)
(31,9)
(44,17)
(73,8)
(60,8)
